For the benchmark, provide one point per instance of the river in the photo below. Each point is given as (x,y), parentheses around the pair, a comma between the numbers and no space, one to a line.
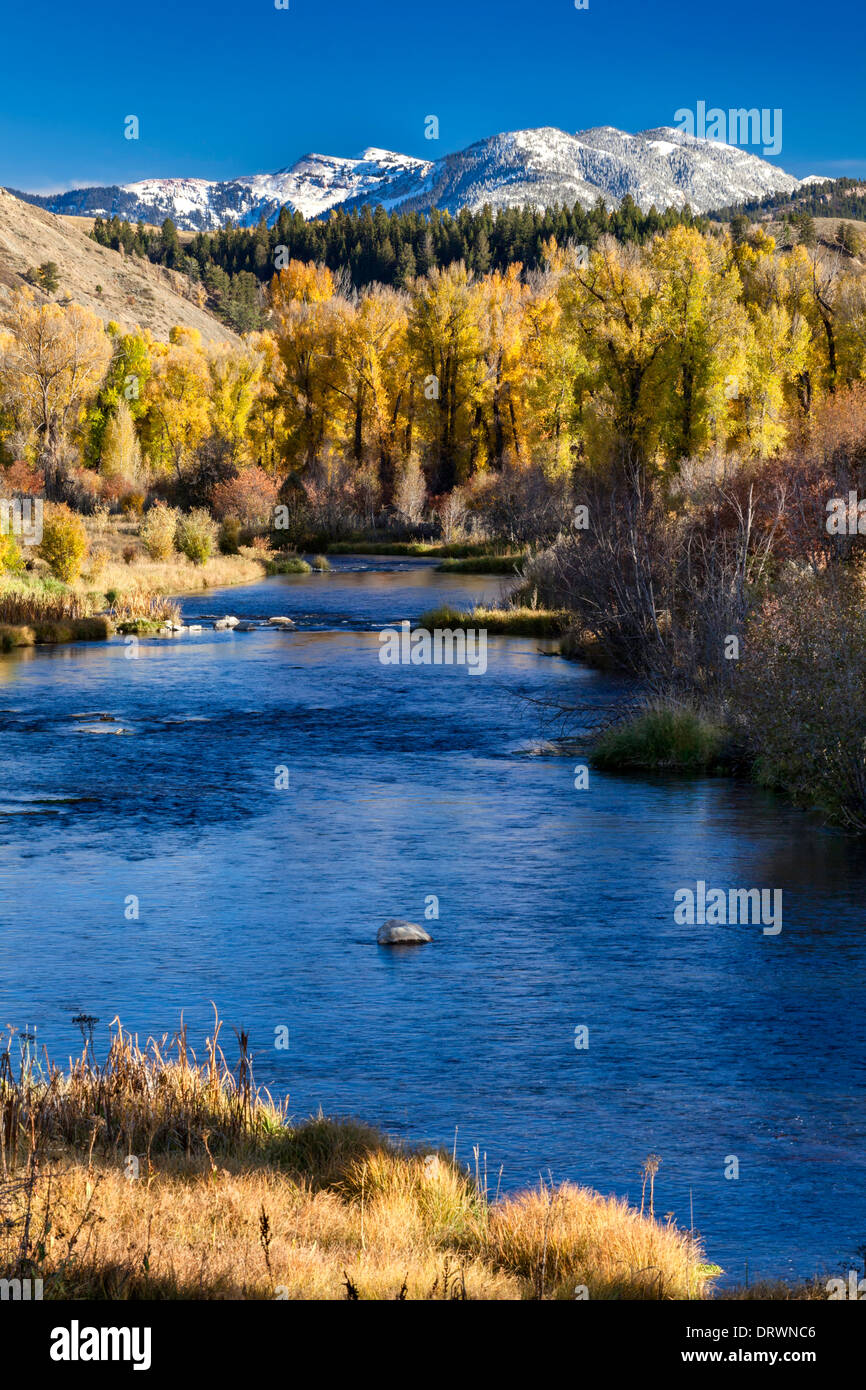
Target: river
(555,909)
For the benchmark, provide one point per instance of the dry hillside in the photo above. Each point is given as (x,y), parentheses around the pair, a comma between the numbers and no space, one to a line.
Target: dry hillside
(132,291)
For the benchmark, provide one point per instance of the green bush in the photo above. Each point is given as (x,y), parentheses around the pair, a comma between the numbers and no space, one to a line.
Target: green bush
(663,737)
(292,565)
(196,535)
(64,544)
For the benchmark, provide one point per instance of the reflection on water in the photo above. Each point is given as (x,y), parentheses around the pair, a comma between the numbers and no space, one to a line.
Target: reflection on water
(556,909)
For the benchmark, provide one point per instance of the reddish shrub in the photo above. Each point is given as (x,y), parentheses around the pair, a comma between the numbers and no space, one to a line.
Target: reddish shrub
(20,477)
(250,498)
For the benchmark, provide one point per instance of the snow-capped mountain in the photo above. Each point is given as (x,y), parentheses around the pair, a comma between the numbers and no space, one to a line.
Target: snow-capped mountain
(543,167)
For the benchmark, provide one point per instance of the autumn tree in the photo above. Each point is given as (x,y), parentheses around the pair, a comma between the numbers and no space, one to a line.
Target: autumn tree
(52,360)
(306,325)
(121,452)
(177,400)
(445,336)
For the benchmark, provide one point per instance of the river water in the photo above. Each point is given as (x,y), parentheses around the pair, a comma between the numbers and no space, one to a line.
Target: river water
(555,909)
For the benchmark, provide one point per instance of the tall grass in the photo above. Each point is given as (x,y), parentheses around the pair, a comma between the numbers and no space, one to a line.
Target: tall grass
(158,1175)
(143,608)
(519,621)
(27,606)
(662,737)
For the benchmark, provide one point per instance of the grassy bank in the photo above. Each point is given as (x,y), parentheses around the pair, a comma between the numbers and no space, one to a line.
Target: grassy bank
(31,615)
(37,611)
(175,576)
(290,564)
(512,622)
(159,1176)
(483,564)
(662,738)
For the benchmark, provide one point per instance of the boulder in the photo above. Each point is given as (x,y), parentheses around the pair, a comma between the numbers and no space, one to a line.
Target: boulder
(396,932)
(225,624)
(281,622)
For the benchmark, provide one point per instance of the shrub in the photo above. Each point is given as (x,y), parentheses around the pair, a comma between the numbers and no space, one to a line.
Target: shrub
(64,544)
(293,564)
(20,477)
(121,453)
(132,503)
(130,554)
(99,558)
(251,497)
(230,536)
(157,532)
(11,561)
(664,736)
(799,695)
(196,535)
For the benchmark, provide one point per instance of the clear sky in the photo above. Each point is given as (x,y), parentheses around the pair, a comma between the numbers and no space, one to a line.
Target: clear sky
(229,87)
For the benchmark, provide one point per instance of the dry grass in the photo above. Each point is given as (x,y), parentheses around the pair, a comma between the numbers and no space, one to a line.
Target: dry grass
(141,608)
(516,621)
(155,1175)
(176,576)
(109,573)
(24,606)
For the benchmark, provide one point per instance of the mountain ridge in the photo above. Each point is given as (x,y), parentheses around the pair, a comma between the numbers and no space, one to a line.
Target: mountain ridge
(541,167)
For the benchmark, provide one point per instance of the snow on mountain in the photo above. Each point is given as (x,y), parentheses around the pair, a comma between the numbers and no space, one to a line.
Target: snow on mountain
(815,178)
(538,167)
(319,182)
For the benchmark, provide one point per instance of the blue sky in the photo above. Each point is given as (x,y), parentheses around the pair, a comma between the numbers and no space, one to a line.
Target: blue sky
(222,89)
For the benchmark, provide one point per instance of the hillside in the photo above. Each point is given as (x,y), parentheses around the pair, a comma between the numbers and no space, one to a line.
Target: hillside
(127,289)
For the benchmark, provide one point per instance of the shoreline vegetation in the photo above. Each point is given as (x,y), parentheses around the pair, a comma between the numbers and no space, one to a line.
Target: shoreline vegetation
(660,433)
(158,1176)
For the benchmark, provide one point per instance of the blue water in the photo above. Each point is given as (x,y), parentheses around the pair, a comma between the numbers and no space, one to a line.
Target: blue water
(555,909)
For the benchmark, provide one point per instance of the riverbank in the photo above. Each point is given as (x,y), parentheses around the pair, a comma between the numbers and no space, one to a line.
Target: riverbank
(112,596)
(516,621)
(163,1177)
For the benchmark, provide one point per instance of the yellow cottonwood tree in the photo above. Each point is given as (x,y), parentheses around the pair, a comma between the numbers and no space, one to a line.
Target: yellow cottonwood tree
(52,361)
(177,393)
(445,337)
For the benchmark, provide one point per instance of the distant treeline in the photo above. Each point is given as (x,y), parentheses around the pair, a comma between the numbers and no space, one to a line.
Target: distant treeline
(376,247)
(834,198)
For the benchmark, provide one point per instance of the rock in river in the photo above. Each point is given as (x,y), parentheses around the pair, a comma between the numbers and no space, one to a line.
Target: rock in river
(396,932)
